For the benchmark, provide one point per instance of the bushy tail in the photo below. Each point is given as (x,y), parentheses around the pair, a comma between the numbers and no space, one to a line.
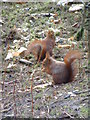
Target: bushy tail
(69,60)
(71,56)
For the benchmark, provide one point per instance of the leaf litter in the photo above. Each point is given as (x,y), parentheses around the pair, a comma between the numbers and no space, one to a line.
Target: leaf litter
(48,100)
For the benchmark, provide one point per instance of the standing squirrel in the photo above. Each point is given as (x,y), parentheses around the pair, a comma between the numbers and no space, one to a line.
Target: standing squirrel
(62,72)
(39,47)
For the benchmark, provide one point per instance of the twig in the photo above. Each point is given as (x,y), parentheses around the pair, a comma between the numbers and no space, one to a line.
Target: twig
(8,104)
(21,78)
(68,114)
(75,92)
(25,61)
(3,86)
(8,109)
(7,83)
(86,98)
(43,14)
(14,98)
(43,85)
(32,75)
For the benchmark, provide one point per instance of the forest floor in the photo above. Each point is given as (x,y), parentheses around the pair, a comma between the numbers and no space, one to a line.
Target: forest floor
(51,101)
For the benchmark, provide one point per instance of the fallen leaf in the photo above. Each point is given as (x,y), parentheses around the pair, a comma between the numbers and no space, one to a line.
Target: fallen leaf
(71,38)
(56,21)
(71,94)
(62,2)
(22,49)
(16,54)
(75,7)
(11,65)
(56,14)
(43,85)
(9,55)
(15,41)
(55,93)
(75,24)
(64,46)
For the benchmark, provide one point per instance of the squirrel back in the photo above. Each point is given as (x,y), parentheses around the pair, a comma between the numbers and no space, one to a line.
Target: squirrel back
(35,47)
(62,72)
(39,47)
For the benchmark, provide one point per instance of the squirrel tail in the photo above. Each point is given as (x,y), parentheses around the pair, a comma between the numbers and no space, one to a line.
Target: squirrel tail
(71,56)
(69,60)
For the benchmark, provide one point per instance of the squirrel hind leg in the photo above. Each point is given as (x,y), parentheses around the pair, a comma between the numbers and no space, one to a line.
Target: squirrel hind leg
(39,53)
(50,52)
(43,56)
(74,68)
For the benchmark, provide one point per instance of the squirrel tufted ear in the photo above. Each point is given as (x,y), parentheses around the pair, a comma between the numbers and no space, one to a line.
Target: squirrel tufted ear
(49,32)
(47,55)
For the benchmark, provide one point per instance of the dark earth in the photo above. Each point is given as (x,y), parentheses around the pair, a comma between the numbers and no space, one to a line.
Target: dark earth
(27,92)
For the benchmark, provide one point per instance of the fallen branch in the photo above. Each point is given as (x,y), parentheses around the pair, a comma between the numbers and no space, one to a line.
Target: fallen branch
(43,14)
(7,83)
(65,46)
(76,92)
(43,85)
(86,98)
(8,109)
(32,75)
(68,114)
(25,61)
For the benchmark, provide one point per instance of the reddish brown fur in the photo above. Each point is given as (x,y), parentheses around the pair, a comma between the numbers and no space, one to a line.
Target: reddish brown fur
(62,72)
(39,47)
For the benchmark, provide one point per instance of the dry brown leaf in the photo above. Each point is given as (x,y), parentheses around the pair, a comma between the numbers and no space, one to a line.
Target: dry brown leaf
(16,54)
(9,56)
(42,85)
(56,21)
(19,52)
(54,93)
(65,46)
(71,38)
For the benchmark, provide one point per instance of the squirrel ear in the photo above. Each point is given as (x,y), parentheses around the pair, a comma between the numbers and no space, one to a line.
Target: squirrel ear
(49,32)
(52,32)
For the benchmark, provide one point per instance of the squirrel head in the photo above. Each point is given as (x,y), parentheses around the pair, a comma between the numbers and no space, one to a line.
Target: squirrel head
(46,63)
(50,34)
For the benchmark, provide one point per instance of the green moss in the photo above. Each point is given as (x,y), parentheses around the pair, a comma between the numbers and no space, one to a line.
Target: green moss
(89,62)
(84,112)
(38,96)
(57,33)
(37,106)
(53,112)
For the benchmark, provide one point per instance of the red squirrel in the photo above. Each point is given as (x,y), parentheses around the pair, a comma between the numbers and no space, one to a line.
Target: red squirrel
(39,47)
(62,72)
